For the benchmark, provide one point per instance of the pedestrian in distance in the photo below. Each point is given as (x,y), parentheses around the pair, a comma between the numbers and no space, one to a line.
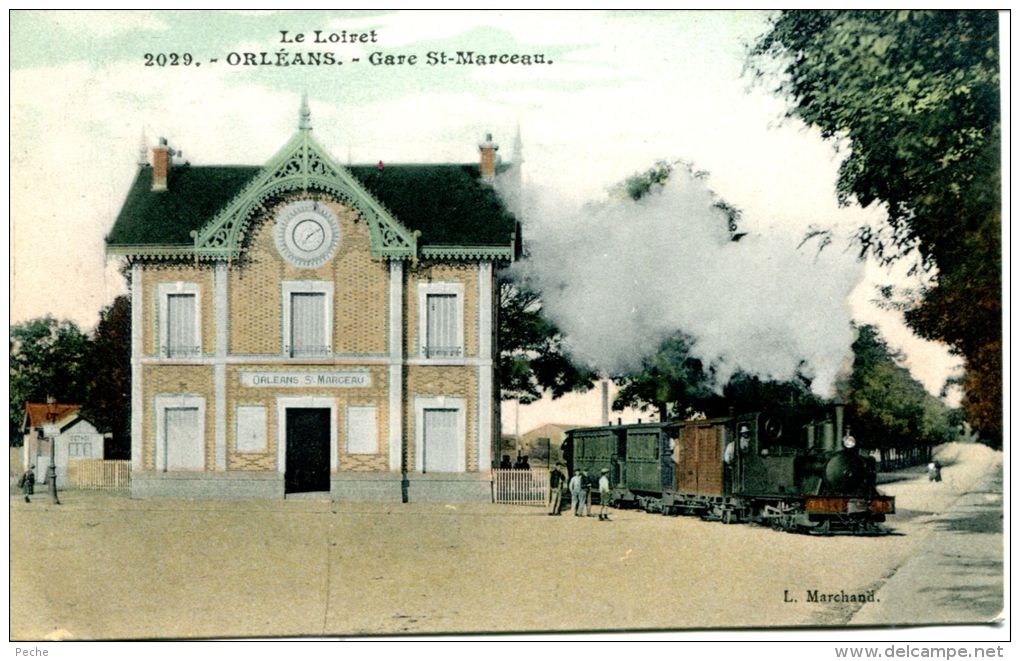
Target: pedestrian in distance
(557,479)
(586,484)
(576,497)
(604,495)
(27,483)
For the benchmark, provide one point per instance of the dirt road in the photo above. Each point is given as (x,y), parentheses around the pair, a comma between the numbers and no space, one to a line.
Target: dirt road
(102,566)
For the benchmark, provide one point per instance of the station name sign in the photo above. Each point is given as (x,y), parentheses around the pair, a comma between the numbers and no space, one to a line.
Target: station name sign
(306,379)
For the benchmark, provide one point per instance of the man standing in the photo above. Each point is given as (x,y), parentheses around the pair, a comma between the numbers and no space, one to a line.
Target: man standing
(604,495)
(27,483)
(557,477)
(586,486)
(576,499)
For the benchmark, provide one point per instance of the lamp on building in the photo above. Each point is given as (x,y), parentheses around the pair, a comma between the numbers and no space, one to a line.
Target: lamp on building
(51,418)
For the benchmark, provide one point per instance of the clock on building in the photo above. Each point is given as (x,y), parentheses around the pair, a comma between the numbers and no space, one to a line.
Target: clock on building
(307,233)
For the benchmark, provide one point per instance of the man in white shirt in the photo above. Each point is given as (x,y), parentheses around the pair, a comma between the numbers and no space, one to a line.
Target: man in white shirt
(576,501)
(604,495)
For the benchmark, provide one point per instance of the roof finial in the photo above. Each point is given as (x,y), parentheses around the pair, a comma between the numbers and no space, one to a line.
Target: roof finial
(305,116)
(143,151)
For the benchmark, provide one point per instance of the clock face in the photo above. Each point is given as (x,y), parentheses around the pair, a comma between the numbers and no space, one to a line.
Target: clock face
(306,233)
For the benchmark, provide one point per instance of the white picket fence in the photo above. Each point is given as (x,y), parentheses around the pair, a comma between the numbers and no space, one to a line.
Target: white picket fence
(98,474)
(520,487)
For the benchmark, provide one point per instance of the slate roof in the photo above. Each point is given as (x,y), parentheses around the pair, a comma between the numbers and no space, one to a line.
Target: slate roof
(449,204)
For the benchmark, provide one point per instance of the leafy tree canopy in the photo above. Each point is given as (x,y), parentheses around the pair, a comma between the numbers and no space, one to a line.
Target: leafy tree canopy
(886,406)
(48,358)
(107,402)
(531,355)
(915,95)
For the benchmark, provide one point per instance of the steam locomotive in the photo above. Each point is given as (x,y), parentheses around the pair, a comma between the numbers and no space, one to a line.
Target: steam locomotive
(787,469)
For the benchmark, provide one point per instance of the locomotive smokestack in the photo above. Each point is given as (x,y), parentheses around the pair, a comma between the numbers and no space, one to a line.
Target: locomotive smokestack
(839,426)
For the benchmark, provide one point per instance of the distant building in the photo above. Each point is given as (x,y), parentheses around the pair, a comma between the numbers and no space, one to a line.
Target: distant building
(304,326)
(76,438)
(539,442)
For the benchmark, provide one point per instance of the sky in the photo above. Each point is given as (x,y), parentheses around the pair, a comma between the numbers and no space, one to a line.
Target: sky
(615,93)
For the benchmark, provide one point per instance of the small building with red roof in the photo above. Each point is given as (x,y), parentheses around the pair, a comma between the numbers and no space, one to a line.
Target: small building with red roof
(62,423)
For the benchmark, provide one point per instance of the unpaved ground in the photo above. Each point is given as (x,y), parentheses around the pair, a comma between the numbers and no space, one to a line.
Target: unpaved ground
(104,566)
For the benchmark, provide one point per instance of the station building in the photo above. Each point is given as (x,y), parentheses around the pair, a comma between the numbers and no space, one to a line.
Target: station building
(305,326)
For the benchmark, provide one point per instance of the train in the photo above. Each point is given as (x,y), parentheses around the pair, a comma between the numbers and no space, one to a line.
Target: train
(794,470)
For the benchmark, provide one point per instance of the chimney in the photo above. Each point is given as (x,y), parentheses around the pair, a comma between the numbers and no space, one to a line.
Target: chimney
(488,160)
(162,156)
(605,401)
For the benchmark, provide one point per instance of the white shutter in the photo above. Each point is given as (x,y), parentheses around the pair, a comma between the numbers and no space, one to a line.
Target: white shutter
(308,324)
(441,441)
(441,334)
(180,312)
(183,446)
(362,430)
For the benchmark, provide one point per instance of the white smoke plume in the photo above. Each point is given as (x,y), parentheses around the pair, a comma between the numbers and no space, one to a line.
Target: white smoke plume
(618,277)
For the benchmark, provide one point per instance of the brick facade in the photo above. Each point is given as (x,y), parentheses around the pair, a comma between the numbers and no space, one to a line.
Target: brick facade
(360,326)
(360,318)
(176,379)
(161,274)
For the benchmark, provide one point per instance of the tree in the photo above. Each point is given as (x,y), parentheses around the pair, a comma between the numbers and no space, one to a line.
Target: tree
(531,357)
(48,358)
(107,401)
(671,381)
(886,407)
(915,95)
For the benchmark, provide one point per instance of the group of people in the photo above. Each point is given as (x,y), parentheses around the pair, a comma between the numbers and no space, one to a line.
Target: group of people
(580,487)
(522,463)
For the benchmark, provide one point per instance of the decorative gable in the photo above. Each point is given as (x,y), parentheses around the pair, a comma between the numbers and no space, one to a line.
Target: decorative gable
(302,165)
(447,211)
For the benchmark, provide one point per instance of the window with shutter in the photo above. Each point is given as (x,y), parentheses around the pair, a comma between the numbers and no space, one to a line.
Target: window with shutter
(183,443)
(308,324)
(441,338)
(181,339)
(440,451)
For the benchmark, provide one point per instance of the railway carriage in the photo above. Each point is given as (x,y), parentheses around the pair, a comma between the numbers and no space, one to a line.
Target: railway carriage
(788,469)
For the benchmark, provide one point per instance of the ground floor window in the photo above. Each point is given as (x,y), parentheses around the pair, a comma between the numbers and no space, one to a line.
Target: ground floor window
(440,453)
(183,445)
(180,433)
(440,435)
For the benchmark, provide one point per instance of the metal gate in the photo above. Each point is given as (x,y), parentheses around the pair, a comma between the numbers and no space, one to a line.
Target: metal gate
(520,487)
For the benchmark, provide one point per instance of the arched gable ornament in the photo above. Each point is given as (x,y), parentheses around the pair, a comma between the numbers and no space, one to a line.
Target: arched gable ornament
(302,165)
